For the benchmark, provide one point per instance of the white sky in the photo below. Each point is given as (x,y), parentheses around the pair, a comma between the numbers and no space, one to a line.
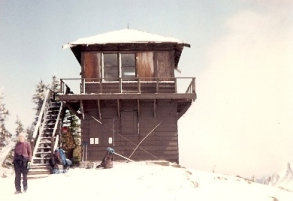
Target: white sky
(244,111)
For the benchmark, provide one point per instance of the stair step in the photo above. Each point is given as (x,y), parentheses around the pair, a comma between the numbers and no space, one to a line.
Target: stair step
(43,147)
(41,158)
(39,171)
(37,176)
(52,116)
(43,152)
(49,143)
(52,111)
(42,163)
(38,166)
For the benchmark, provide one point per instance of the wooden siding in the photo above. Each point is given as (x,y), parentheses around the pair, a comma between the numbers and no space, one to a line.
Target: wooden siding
(162,144)
(145,65)
(165,64)
(91,65)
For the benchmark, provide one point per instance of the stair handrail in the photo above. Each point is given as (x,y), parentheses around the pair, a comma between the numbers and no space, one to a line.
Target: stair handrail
(56,141)
(41,115)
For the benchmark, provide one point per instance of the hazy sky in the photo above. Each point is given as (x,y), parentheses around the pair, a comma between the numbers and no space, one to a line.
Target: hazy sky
(241,53)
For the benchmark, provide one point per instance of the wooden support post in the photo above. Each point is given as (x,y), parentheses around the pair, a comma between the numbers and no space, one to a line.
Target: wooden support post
(113,132)
(138,115)
(99,109)
(138,107)
(81,109)
(118,108)
(155,108)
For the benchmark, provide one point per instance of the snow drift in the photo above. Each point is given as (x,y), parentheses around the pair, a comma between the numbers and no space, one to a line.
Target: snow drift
(142,181)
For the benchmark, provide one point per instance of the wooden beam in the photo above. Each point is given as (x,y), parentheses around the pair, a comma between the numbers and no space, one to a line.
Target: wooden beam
(138,145)
(113,96)
(138,115)
(96,120)
(73,110)
(155,108)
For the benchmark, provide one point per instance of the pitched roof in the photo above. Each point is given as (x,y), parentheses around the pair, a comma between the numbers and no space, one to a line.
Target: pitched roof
(125,36)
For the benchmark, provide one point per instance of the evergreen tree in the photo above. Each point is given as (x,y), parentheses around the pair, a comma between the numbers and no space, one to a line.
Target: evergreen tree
(39,95)
(73,123)
(19,126)
(3,116)
(30,131)
(55,84)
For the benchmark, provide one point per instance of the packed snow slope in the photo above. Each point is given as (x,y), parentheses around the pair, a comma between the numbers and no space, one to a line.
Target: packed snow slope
(142,181)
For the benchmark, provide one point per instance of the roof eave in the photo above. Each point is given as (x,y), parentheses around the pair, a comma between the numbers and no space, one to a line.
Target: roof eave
(71,45)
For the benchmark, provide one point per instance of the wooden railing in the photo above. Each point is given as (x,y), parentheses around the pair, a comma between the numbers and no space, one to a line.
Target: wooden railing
(137,85)
(56,127)
(38,129)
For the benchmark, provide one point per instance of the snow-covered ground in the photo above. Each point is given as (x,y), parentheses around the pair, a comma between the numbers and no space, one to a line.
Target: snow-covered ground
(282,179)
(142,181)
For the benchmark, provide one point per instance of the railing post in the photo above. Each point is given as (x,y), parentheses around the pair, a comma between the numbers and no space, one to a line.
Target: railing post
(193,85)
(83,85)
(61,86)
(138,85)
(101,87)
(157,85)
(175,82)
(120,85)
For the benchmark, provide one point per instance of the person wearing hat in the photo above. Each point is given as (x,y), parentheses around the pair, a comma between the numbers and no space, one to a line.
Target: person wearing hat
(21,161)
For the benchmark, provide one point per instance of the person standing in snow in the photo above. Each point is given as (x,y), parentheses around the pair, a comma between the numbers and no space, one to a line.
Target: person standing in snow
(21,161)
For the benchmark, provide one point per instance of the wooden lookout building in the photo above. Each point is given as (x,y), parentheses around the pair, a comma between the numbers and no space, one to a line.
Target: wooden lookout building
(127,91)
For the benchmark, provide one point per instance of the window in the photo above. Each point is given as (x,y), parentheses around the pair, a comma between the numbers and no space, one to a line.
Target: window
(128,66)
(119,64)
(110,140)
(111,67)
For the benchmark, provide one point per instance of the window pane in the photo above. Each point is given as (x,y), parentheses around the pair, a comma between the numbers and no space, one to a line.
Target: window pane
(128,66)
(110,60)
(128,73)
(111,67)
(111,73)
(128,60)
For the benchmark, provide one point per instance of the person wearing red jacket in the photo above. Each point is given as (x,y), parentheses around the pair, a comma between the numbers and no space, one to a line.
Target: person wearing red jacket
(22,158)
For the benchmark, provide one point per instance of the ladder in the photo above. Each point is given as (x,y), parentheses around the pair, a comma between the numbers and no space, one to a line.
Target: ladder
(45,136)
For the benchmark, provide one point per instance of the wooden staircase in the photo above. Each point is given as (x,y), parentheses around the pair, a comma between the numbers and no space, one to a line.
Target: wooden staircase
(46,137)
